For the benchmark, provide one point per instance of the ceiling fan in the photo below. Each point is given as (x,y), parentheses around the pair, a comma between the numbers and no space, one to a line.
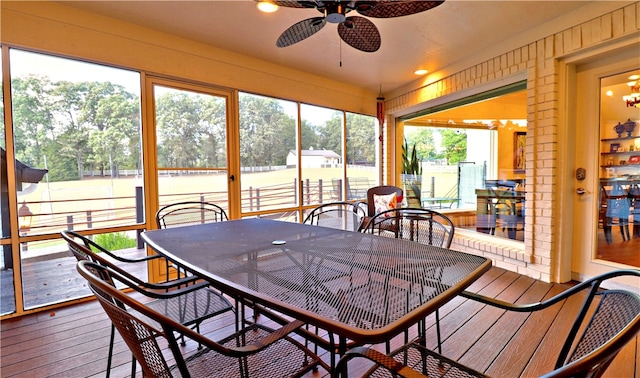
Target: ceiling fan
(356,31)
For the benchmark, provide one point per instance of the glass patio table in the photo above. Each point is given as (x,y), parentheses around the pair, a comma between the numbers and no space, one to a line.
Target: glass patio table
(361,287)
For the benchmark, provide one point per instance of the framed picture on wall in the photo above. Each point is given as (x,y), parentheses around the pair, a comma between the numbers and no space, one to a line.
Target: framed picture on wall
(614,147)
(519,142)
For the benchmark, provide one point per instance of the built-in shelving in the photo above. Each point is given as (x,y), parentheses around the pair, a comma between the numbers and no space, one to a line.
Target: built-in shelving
(620,139)
(612,159)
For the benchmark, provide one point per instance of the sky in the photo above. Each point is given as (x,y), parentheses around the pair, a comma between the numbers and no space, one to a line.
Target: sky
(58,69)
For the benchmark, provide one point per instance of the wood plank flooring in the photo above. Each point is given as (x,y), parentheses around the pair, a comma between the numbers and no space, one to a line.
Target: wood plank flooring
(73,341)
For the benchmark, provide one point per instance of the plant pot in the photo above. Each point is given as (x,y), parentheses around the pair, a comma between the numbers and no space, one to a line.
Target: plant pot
(412,186)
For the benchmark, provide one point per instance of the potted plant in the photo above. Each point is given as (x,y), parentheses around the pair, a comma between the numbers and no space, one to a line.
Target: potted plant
(411,175)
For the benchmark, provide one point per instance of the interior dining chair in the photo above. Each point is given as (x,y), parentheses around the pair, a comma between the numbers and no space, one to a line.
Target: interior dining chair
(606,322)
(254,350)
(504,210)
(421,225)
(185,300)
(348,216)
(617,208)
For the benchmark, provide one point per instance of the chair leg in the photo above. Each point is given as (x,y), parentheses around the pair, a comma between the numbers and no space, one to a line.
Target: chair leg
(111,340)
(109,359)
(438,331)
(606,225)
(133,366)
(624,228)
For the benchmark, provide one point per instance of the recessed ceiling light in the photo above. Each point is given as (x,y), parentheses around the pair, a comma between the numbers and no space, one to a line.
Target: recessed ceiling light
(267,6)
(420,72)
(634,77)
(609,93)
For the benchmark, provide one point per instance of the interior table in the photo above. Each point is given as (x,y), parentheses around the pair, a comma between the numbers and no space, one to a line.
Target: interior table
(361,287)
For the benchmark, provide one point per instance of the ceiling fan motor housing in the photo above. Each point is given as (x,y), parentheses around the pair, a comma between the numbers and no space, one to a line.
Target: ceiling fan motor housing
(334,12)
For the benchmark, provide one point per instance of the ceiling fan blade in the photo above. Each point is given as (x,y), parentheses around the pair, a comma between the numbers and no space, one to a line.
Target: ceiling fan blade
(394,8)
(294,4)
(300,30)
(360,33)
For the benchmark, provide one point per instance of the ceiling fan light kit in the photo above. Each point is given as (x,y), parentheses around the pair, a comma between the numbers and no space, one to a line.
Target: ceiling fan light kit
(358,32)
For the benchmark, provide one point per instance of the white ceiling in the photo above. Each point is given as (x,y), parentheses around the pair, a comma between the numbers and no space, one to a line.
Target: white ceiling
(432,40)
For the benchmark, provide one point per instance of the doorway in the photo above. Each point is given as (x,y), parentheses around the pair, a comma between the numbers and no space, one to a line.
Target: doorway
(606,234)
(190,140)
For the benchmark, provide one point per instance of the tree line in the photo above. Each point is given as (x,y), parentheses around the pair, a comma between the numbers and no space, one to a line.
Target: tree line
(94,126)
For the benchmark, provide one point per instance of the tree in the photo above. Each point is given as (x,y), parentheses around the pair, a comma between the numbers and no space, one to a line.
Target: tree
(190,128)
(98,124)
(423,139)
(455,144)
(330,134)
(361,139)
(33,117)
(116,141)
(267,133)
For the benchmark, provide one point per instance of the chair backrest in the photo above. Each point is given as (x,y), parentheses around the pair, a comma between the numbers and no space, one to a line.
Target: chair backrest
(501,184)
(141,326)
(340,215)
(140,336)
(378,191)
(614,323)
(188,213)
(617,201)
(417,224)
(85,249)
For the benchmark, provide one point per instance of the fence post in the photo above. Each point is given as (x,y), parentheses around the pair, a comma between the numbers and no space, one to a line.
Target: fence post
(202,208)
(307,190)
(339,189)
(250,198)
(139,215)
(258,199)
(433,186)
(319,190)
(89,223)
(70,222)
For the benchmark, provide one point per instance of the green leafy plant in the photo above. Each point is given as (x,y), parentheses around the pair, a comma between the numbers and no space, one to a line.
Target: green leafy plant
(115,241)
(412,174)
(411,164)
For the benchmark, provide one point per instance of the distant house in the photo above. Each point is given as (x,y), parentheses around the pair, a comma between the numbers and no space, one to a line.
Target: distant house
(314,159)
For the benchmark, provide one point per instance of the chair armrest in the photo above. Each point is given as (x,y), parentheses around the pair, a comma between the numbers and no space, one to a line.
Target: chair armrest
(593,284)
(235,351)
(429,363)
(379,359)
(168,285)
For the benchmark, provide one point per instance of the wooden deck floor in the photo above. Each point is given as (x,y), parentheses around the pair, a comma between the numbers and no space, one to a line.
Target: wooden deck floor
(73,341)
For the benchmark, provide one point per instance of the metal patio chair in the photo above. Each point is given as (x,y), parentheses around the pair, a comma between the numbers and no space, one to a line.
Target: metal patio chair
(347,216)
(188,213)
(255,350)
(185,300)
(420,225)
(416,224)
(185,214)
(601,328)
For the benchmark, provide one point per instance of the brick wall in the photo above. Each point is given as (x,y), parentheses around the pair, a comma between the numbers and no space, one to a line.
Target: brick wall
(540,61)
